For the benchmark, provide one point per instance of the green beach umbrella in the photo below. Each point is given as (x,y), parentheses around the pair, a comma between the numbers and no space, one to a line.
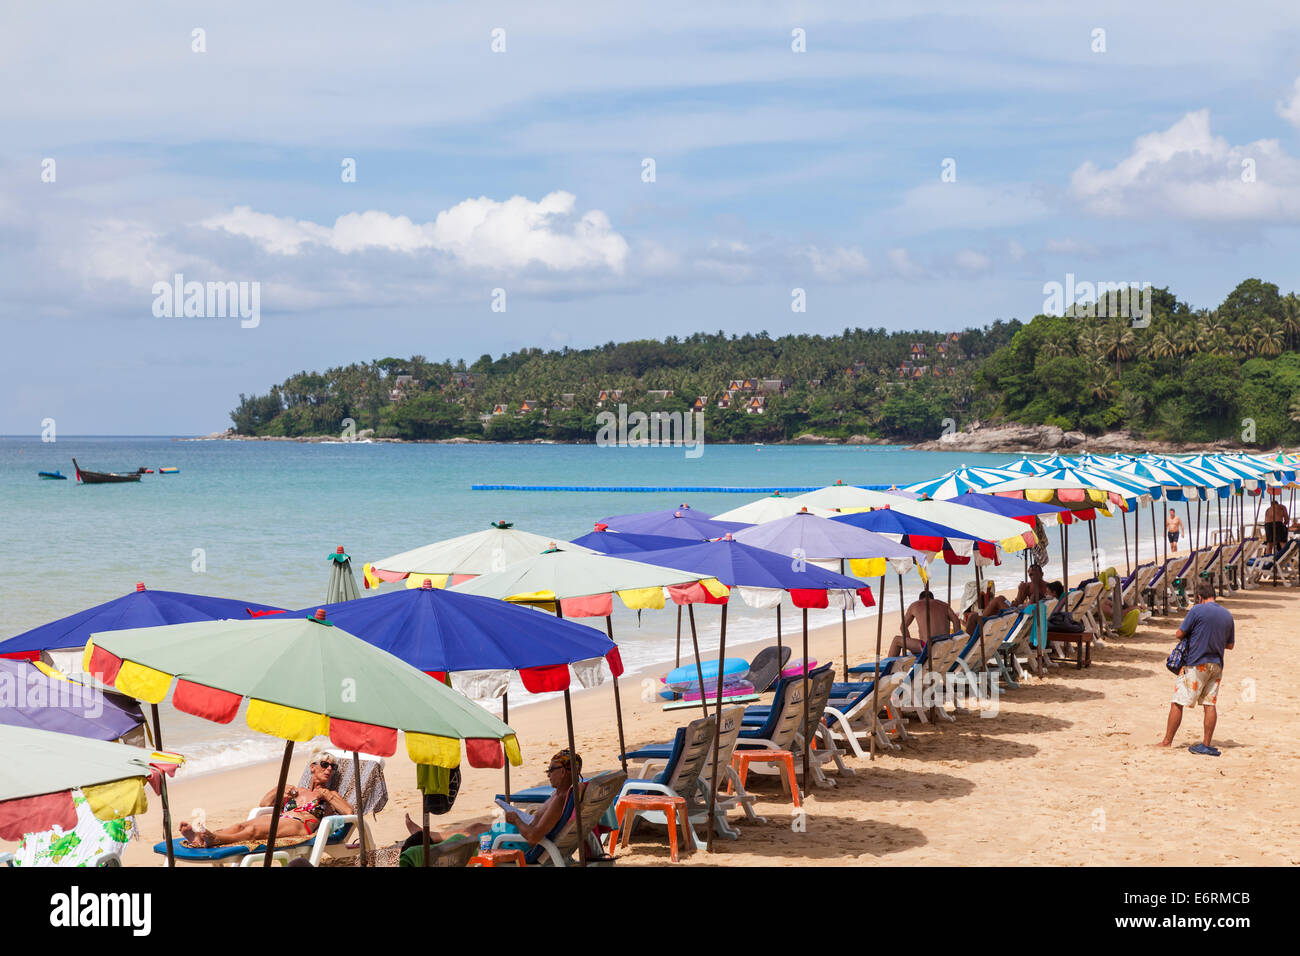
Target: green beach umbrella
(41,768)
(343,583)
(445,563)
(303,678)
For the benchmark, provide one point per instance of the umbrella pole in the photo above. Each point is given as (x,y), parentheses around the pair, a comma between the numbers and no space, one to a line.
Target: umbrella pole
(505,719)
(1128,568)
(162,791)
(576,775)
(425,822)
(618,702)
(699,668)
(1187,506)
(679,636)
(1218,506)
(1092,543)
(929,636)
(808,740)
(875,682)
(360,807)
(844,630)
(279,802)
(717,730)
(778,632)
(1164,578)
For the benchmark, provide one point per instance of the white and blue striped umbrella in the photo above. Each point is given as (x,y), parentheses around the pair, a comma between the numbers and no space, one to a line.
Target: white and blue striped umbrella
(959,481)
(1179,481)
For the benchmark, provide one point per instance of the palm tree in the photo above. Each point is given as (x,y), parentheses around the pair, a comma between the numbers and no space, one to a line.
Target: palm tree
(1291,319)
(1271,337)
(1161,345)
(1186,339)
(1092,341)
(1120,342)
(1100,383)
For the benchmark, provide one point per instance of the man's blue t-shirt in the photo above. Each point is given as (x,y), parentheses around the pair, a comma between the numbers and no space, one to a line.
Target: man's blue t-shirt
(1209,630)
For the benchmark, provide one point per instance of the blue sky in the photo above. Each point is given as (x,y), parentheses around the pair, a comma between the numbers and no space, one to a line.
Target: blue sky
(522,170)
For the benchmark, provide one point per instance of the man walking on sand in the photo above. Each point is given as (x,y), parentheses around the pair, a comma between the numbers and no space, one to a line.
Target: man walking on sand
(1209,630)
(1174,527)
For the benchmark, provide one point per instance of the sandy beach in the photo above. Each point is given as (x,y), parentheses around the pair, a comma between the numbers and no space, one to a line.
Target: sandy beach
(1067,773)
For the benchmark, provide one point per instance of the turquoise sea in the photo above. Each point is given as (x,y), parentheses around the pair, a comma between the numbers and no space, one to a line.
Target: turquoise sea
(263,516)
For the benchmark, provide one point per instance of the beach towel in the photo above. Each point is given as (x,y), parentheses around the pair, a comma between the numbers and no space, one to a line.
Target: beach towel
(86,844)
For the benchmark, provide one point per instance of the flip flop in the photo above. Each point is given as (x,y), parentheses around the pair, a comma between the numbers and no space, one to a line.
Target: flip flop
(1204,750)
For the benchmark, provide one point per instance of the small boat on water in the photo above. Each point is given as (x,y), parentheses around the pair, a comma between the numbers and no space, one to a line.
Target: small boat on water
(53,474)
(102,477)
(169,471)
(144,471)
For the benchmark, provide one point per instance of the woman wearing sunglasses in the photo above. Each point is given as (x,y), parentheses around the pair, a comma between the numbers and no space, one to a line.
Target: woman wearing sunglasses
(303,810)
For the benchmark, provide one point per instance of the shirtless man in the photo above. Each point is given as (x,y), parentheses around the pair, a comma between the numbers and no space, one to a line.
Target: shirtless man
(1033,590)
(1275,525)
(1174,527)
(942,622)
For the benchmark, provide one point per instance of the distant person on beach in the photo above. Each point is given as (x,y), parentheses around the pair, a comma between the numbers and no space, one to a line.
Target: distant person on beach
(1209,631)
(926,609)
(1275,525)
(303,810)
(1033,590)
(987,605)
(1174,527)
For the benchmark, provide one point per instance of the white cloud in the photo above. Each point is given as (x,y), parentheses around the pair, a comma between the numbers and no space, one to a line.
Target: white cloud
(1070,247)
(477,233)
(1185,172)
(972,261)
(903,264)
(840,262)
(963,205)
(1290,109)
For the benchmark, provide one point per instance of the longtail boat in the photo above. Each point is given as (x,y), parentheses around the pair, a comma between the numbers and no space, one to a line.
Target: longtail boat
(102,477)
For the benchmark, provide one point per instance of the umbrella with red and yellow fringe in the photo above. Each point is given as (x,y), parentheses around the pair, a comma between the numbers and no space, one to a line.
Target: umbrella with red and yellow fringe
(303,678)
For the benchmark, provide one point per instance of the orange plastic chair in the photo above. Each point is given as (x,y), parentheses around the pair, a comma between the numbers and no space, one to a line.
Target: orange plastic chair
(498,857)
(673,808)
(741,760)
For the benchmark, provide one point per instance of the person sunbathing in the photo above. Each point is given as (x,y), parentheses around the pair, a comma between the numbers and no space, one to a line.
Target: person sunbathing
(1033,590)
(470,830)
(987,605)
(304,808)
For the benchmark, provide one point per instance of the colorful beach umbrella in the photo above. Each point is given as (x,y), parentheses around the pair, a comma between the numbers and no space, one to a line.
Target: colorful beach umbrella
(960,481)
(303,679)
(32,698)
(41,768)
(684,523)
(140,608)
(447,563)
(772,508)
(805,536)
(604,541)
(759,577)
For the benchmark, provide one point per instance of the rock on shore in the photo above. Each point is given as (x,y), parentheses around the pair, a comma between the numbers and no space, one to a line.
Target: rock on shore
(1011,437)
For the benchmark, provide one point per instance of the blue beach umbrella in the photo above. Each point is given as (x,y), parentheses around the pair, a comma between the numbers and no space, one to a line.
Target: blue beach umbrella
(681,522)
(605,541)
(140,608)
(758,577)
(439,631)
(38,701)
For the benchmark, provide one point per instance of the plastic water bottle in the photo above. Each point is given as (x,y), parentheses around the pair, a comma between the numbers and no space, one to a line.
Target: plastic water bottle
(485,841)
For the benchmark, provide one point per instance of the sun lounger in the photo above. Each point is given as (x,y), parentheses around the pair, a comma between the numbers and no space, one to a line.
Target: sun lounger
(681,775)
(852,720)
(334,836)
(782,728)
(656,756)
(766,666)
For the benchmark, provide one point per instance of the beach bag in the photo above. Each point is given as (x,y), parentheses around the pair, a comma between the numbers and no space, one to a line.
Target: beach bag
(1062,621)
(1177,659)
